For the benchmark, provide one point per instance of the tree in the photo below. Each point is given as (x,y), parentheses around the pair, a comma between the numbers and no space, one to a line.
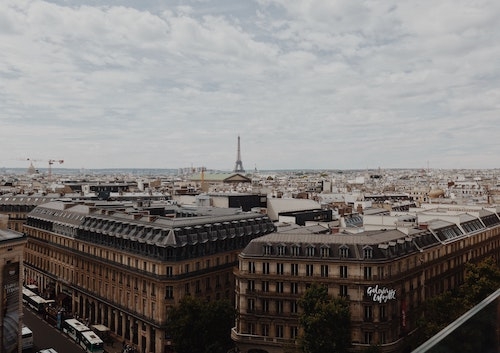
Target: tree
(325,322)
(481,279)
(197,326)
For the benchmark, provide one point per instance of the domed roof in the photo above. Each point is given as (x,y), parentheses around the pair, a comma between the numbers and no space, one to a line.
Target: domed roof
(436,193)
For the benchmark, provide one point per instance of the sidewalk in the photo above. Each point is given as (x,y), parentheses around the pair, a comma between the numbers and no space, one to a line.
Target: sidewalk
(114,346)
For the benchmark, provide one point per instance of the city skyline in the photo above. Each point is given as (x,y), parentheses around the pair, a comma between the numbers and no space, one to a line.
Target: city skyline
(306,84)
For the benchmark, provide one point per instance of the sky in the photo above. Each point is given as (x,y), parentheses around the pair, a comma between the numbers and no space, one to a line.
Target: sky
(306,84)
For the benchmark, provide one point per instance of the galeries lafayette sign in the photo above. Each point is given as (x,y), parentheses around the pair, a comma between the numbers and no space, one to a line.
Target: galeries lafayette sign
(381,294)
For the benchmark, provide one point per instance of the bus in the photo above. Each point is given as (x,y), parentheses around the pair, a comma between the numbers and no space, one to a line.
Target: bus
(27,338)
(39,304)
(74,328)
(26,294)
(33,288)
(91,342)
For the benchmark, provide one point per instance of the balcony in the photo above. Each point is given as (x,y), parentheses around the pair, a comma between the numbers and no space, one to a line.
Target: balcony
(475,331)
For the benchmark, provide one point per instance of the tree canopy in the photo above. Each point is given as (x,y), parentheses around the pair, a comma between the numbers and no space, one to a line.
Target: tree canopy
(325,322)
(198,326)
(481,279)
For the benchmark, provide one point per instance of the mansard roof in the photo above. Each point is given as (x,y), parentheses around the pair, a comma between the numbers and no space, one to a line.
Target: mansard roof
(97,224)
(382,243)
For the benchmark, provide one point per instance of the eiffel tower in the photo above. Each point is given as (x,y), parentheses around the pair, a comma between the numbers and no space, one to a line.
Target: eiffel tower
(238,168)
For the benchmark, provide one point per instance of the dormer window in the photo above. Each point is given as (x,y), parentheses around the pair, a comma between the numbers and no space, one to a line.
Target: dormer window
(325,251)
(344,251)
(268,249)
(310,250)
(281,249)
(295,250)
(367,252)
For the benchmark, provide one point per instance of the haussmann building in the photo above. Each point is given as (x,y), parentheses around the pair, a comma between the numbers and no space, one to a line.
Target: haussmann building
(384,274)
(124,269)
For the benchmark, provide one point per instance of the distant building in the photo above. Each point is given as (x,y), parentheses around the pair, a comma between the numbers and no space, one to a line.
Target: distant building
(16,208)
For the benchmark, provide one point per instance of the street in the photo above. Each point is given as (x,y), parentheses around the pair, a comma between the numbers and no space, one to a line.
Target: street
(47,336)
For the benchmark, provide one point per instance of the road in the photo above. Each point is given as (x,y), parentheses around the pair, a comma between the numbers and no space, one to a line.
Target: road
(46,336)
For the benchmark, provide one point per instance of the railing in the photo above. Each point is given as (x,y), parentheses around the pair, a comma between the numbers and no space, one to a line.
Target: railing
(475,331)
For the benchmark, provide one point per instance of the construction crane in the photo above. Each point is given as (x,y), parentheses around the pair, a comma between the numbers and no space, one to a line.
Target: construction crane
(52,161)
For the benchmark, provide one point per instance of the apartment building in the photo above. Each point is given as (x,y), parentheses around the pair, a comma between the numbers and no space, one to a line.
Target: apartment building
(125,269)
(11,268)
(385,275)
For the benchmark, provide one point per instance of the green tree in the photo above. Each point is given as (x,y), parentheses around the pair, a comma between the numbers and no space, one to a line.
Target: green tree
(325,322)
(481,279)
(197,326)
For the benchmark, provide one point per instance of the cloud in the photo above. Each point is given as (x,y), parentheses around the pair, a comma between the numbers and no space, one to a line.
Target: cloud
(306,83)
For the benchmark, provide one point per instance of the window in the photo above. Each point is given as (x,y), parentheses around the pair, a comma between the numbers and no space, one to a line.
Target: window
(265,268)
(265,305)
(250,305)
(382,313)
(169,292)
(294,288)
(279,331)
(265,329)
(279,268)
(343,291)
(281,250)
(251,328)
(265,286)
(309,270)
(368,337)
(367,252)
(294,331)
(279,287)
(380,270)
(294,307)
(324,270)
(343,271)
(295,269)
(367,272)
(368,313)
(295,250)
(268,249)
(279,306)
(251,285)
(310,250)
(251,267)
(325,251)
(170,271)
(344,251)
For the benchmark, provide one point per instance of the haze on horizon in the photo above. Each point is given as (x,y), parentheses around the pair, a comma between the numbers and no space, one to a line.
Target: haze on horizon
(306,84)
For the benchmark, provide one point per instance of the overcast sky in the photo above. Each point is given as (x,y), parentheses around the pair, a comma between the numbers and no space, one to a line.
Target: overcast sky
(304,83)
